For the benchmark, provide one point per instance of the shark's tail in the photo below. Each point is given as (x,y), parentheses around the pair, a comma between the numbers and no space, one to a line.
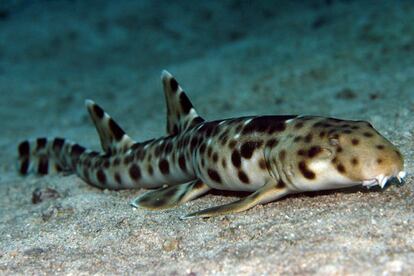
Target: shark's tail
(43,156)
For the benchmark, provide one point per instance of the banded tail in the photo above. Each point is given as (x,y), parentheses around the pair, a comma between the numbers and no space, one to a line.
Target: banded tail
(124,163)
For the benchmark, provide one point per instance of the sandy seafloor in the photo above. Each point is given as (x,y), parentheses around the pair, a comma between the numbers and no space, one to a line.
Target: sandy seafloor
(346,59)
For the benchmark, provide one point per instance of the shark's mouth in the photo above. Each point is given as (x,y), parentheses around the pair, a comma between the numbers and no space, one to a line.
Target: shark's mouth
(382,180)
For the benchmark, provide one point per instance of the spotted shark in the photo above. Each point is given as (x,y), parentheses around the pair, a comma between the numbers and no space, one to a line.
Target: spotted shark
(268,156)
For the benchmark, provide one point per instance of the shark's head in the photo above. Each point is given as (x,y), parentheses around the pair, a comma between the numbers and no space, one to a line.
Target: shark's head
(326,153)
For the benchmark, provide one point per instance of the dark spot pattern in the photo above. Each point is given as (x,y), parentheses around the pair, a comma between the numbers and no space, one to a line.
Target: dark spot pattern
(306,172)
(308,138)
(116,130)
(135,172)
(314,151)
(43,166)
(247,149)
(40,143)
(164,166)
(368,134)
(24,148)
(58,144)
(24,167)
(185,103)
(213,174)
(355,141)
(266,124)
(173,84)
(340,168)
(100,175)
(271,143)
(236,159)
(77,150)
(98,111)
(380,147)
(354,161)
(243,177)
(118,178)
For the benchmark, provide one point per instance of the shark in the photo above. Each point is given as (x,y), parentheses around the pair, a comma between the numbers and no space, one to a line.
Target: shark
(268,156)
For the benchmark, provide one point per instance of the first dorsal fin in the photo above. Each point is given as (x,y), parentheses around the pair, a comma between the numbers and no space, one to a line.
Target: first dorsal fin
(181,114)
(112,136)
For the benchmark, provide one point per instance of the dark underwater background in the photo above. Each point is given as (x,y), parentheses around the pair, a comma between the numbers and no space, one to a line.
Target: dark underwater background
(338,58)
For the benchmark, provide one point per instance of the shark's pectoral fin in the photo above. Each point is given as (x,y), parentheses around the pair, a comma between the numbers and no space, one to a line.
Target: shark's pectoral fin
(269,192)
(171,196)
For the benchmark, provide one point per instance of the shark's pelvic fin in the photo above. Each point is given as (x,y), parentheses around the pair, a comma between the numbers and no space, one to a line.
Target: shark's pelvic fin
(171,196)
(181,114)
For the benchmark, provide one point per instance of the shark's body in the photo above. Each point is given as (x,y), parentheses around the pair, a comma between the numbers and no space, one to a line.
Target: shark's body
(271,156)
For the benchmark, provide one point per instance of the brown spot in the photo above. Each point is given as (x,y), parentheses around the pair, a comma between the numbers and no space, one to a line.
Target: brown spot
(380,147)
(106,163)
(271,143)
(215,157)
(281,184)
(98,111)
(247,149)
(58,144)
(334,160)
(243,177)
(41,143)
(100,175)
(354,161)
(118,178)
(185,103)
(232,144)
(306,172)
(43,166)
(340,168)
(235,158)
(135,172)
(347,131)
(24,148)
(308,138)
(368,134)
(213,174)
(128,159)
(173,84)
(339,149)
(314,151)
(379,161)
(354,127)
(262,164)
(164,166)
(116,130)
(301,152)
(355,141)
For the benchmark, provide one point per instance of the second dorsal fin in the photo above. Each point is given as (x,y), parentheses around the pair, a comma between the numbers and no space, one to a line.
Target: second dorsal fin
(181,114)
(112,136)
